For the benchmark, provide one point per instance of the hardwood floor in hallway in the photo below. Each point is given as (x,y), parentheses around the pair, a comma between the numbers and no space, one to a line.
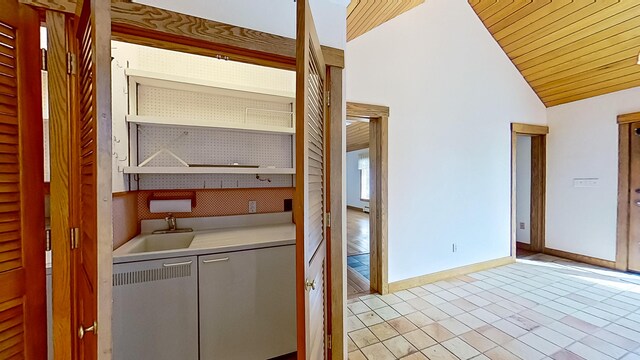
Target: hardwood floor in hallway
(357,252)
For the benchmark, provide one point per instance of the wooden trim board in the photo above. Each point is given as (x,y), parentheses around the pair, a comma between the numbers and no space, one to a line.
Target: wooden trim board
(628,118)
(624,168)
(355,208)
(446,274)
(366,111)
(523,246)
(152,26)
(581,258)
(337,244)
(528,129)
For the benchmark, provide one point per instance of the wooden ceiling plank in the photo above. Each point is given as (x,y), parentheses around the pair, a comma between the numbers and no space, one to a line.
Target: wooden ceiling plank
(613,38)
(616,66)
(514,18)
(365,9)
(352,5)
(380,15)
(553,23)
(595,86)
(484,5)
(535,36)
(536,19)
(495,9)
(586,67)
(503,14)
(602,57)
(631,69)
(601,91)
(575,31)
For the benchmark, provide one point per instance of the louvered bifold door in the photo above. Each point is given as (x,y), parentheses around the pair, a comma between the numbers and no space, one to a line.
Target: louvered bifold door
(22,245)
(311,201)
(85,152)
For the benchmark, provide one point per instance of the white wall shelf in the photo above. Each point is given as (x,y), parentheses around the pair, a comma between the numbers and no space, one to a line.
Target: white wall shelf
(164,121)
(207,170)
(167,81)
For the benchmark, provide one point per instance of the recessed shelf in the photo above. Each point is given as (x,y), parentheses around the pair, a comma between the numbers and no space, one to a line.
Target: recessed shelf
(207,170)
(164,121)
(141,77)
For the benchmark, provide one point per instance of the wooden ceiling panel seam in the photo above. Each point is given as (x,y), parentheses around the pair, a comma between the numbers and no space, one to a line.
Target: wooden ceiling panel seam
(506,13)
(586,75)
(536,34)
(573,67)
(609,45)
(598,82)
(522,37)
(517,17)
(364,23)
(602,91)
(496,8)
(365,15)
(541,11)
(581,38)
(563,35)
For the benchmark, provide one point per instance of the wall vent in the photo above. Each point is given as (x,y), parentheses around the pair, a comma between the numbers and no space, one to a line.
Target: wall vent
(149,275)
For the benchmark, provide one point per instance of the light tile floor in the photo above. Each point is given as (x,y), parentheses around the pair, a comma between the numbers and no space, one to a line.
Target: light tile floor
(541,307)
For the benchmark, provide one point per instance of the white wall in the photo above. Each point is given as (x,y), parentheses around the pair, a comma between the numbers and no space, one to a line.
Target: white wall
(583,143)
(452,94)
(353,179)
(273,16)
(523,189)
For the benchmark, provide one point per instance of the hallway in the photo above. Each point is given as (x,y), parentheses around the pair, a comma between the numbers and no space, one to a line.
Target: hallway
(357,253)
(541,307)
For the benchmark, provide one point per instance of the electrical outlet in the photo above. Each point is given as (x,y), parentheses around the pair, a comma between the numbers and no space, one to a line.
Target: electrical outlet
(586,182)
(521,226)
(253,206)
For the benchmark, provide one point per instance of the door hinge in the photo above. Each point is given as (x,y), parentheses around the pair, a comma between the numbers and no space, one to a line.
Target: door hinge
(71,63)
(43,60)
(75,237)
(329,342)
(47,239)
(328,98)
(327,219)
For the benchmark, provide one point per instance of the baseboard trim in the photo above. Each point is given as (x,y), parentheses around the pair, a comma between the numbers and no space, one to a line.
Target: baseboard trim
(523,246)
(581,258)
(445,274)
(354,208)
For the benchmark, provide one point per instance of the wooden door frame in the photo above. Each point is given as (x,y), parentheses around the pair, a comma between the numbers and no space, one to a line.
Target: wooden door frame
(135,23)
(624,168)
(378,117)
(538,136)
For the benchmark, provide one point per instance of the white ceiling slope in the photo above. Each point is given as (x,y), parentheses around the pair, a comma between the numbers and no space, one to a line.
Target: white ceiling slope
(272,16)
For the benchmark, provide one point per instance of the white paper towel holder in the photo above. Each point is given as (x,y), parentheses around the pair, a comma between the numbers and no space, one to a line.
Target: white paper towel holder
(190,196)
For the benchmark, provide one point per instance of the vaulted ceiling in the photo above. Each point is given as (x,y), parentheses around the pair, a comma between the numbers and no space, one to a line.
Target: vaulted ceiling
(568,49)
(364,15)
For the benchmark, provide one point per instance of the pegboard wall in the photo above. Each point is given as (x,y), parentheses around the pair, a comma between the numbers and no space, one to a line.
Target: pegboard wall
(203,67)
(201,107)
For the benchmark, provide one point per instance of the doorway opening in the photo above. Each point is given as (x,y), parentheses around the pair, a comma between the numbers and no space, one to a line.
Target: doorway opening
(528,177)
(366,168)
(628,224)
(358,171)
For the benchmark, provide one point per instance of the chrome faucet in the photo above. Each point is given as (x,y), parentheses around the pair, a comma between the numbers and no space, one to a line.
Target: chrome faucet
(172,226)
(171,222)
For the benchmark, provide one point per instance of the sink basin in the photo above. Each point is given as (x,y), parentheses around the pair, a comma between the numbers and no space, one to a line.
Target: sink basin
(159,242)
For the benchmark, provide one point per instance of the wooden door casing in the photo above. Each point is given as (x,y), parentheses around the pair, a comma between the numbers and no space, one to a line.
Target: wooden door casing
(23,331)
(91,184)
(310,196)
(634,198)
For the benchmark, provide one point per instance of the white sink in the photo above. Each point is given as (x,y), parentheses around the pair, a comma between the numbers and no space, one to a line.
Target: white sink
(156,242)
